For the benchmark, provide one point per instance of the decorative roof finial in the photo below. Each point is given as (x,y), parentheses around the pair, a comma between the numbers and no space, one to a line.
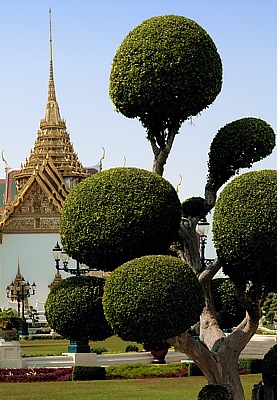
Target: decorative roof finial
(51,88)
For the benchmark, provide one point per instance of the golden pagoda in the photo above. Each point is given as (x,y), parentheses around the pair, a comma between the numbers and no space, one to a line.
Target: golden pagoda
(33,199)
(53,141)
(45,179)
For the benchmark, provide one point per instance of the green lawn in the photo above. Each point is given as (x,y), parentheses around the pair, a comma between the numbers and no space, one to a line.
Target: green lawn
(53,347)
(134,389)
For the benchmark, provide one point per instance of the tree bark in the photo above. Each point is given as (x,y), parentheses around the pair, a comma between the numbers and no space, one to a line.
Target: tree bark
(161,153)
(217,354)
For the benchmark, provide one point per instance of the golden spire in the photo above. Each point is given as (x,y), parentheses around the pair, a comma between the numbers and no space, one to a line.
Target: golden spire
(53,140)
(52,115)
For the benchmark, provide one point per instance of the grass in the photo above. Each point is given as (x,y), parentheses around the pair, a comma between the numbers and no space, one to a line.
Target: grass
(55,347)
(137,389)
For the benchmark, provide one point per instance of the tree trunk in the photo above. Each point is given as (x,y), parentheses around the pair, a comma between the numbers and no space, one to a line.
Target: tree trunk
(161,153)
(216,354)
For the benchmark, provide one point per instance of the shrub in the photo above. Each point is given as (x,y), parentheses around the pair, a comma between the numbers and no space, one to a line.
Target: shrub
(98,350)
(214,392)
(138,371)
(88,373)
(251,365)
(269,367)
(152,298)
(35,374)
(117,215)
(74,309)
(131,347)
(247,247)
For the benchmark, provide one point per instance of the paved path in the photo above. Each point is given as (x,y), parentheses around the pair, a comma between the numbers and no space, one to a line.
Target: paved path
(258,346)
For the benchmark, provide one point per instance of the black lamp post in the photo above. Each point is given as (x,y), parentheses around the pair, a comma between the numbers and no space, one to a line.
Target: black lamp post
(20,290)
(203,229)
(60,255)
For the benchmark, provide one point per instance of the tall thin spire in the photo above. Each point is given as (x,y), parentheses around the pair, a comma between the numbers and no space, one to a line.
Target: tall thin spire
(52,115)
(51,86)
(53,140)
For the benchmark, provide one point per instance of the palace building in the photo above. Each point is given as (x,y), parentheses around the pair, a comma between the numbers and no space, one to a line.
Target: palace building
(31,201)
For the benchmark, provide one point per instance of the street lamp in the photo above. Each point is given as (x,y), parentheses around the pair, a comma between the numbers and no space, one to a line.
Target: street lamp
(60,255)
(203,229)
(21,290)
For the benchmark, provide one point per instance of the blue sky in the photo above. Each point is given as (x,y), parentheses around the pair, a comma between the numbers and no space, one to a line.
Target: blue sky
(86,35)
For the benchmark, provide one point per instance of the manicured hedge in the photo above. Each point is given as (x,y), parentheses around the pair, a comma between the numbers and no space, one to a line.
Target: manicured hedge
(139,371)
(88,373)
(251,365)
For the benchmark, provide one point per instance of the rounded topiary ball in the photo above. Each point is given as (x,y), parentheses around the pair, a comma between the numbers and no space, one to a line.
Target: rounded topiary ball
(238,145)
(269,367)
(214,392)
(152,298)
(74,309)
(165,70)
(245,229)
(117,215)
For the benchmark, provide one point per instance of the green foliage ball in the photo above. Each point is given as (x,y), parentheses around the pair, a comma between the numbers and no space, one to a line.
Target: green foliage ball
(152,298)
(119,214)
(228,308)
(166,70)
(214,392)
(74,309)
(238,145)
(245,229)
(269,366)
(192,207)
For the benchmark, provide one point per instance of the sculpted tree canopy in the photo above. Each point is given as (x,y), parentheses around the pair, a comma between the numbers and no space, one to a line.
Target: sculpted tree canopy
(247,246)
(74,309)
(117,215)
(152,298)
(165,71)
(238,145)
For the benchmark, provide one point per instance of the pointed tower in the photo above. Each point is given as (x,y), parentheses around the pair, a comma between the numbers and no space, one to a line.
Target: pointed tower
(52,141)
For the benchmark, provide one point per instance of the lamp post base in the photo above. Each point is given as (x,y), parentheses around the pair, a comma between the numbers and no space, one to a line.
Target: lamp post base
(78,346)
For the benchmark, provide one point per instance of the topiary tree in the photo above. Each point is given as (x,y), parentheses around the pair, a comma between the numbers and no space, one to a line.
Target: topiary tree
(74,310)
(269,373)
(117,215)
(148,81)
(165,71)
(130,299)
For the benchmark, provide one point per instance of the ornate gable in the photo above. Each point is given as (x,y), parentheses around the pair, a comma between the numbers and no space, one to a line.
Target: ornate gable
(37,207)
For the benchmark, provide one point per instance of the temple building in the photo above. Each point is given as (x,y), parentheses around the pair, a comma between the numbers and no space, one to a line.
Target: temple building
(31,201)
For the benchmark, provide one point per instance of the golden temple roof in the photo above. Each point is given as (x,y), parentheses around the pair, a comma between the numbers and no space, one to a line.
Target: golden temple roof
(52,141)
